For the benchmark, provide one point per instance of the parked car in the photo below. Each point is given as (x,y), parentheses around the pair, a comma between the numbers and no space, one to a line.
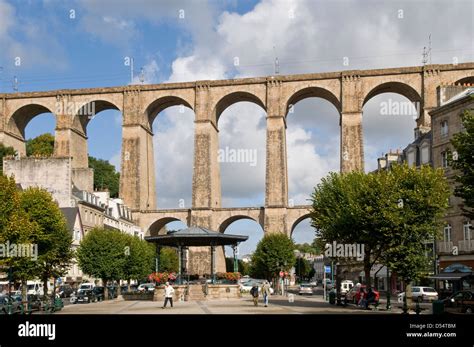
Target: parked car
(64,291)
(146,287)
(13,302)
(420,294)
(86,295)
(460,302)
(305,288)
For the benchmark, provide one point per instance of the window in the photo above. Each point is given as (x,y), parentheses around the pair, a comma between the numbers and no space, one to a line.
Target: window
(444,128)
(411,158)
(425,154)
(444,159)
(447,233)
(467,230)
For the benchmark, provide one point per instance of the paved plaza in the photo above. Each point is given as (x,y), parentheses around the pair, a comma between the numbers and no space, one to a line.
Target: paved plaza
(278,305)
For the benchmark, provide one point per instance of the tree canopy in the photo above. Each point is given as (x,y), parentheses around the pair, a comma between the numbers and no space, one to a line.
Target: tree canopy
(105,176)
(42,145)
(274,253)
(54,238)
(390,212)
(112,255)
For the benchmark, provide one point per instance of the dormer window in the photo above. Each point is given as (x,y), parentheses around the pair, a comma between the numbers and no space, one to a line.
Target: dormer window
(411,157)
(425,154)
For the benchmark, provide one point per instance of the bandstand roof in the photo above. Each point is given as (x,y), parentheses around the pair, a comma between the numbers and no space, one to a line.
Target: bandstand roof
(196,237)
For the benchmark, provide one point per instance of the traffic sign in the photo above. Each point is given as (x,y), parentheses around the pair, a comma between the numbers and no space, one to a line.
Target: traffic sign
(327,269)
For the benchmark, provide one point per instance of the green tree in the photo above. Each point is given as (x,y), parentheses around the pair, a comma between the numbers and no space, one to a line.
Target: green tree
(105,176)
(387,211)
(5,151)
(463,143)
(169,260)
(42,145)
(275,252)
(302,268)
(140,258)
(54,238)
(103,254)
(16,228)
(423,194)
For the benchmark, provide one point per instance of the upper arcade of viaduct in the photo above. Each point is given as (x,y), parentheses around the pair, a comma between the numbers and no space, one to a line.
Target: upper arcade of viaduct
(348,91)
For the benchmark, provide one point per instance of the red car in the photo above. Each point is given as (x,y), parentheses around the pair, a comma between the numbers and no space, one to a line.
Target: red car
(354,294)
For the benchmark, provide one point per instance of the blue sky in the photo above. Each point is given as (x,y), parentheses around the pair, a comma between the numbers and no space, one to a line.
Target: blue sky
(83,44)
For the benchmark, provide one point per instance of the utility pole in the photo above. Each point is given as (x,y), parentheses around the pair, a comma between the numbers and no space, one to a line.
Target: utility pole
(276,63)
(15,84)
(142,76)
(427,53)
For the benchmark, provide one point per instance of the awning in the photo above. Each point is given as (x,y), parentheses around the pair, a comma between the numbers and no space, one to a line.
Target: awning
(451,276)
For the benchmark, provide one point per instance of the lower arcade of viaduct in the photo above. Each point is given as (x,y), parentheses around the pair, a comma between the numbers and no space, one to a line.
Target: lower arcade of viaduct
(348,91)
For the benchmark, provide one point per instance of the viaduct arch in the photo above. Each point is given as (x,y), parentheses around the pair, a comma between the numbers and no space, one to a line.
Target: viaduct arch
(348,91)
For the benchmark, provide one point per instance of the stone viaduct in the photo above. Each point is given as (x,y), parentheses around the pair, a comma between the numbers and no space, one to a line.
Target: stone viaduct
(348,91)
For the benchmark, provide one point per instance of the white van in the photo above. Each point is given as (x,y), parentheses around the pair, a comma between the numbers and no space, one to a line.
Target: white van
(36,287)
(346,285)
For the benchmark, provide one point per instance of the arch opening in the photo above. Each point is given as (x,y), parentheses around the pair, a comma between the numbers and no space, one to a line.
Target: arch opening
(161,104)
(313,145)
(242,154)
(388,121)
(394,87)
(24,115)
(233,98)
(247,226)
(173,154)
(312,92)
(163,225)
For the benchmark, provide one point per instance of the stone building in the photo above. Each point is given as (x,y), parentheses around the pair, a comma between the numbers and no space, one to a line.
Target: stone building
(456,245)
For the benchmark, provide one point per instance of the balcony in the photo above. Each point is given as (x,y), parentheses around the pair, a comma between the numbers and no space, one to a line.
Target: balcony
(466,246)
(445,246)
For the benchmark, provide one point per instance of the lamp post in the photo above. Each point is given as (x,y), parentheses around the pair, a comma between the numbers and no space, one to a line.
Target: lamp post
(389,290)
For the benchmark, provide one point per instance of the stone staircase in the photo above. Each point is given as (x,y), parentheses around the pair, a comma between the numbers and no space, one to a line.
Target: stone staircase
(195,293)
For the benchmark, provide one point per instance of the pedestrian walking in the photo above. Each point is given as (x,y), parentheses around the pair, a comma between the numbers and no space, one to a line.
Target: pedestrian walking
(266,292)
(254,293)
(169,291)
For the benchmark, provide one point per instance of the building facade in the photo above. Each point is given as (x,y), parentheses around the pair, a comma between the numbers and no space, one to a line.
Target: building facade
(456,245)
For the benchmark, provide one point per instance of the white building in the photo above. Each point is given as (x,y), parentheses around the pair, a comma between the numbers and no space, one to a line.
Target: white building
(117,215)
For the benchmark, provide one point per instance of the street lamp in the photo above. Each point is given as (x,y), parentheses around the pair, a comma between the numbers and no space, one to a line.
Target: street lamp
(389,290)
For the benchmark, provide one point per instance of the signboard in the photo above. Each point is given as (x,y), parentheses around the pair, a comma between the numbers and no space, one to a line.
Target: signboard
(327,269)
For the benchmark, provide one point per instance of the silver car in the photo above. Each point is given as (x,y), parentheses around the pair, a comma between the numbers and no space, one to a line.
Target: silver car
(420,294)
(305,288)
